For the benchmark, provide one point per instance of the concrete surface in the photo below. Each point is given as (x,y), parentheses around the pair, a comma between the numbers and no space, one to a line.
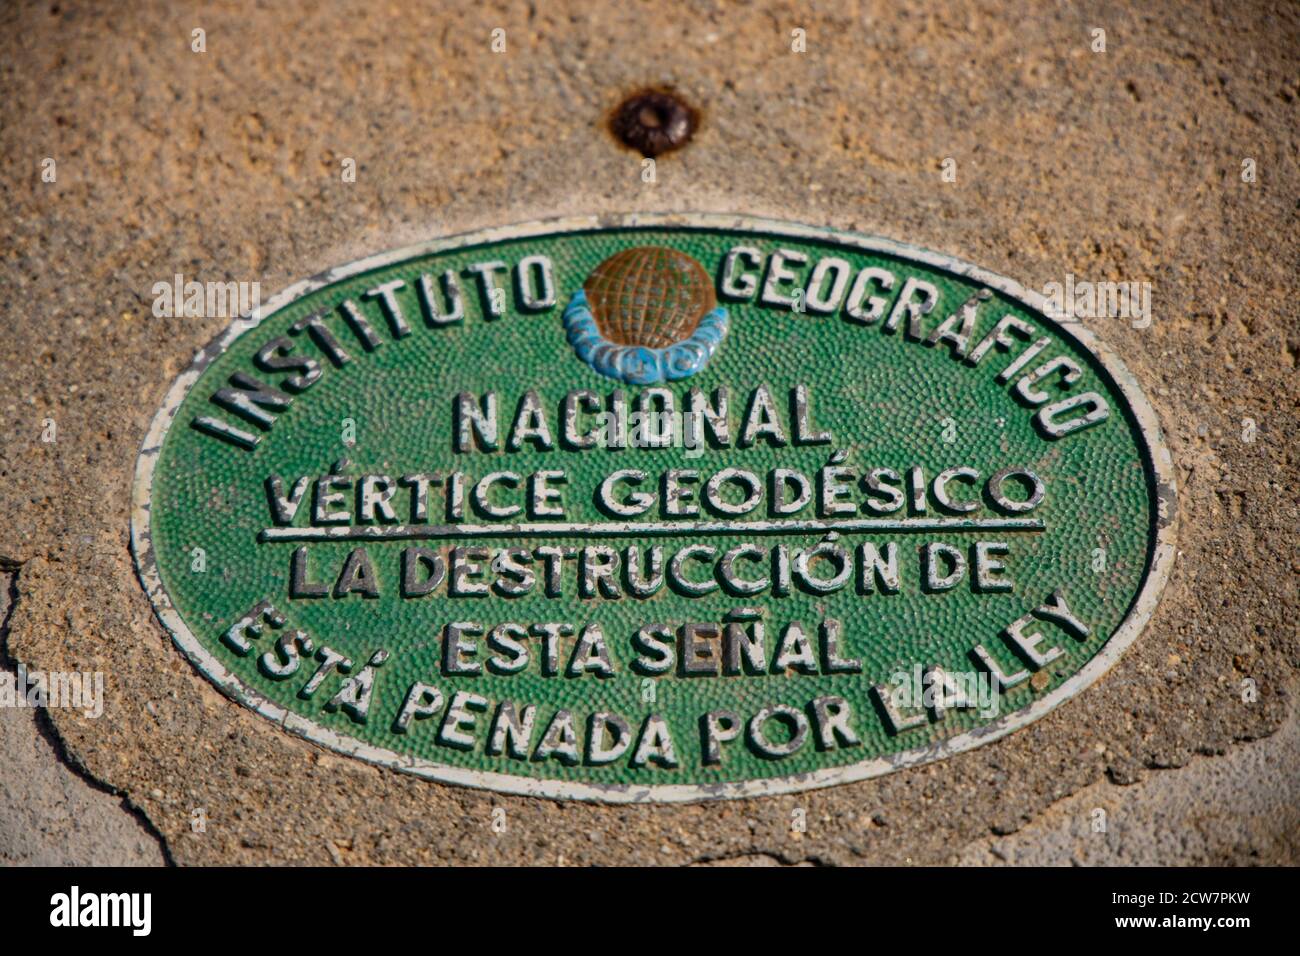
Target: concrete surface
(51,815)
(1172,817)
(224,165)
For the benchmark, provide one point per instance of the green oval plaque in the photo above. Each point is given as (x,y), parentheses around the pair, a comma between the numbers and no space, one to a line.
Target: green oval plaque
(653,507)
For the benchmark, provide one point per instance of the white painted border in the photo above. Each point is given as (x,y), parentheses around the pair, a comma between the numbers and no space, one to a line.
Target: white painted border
(1143,607)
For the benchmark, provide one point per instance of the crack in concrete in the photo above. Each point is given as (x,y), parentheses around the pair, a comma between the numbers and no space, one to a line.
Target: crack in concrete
(757,858)
(54,811)
(1207,811)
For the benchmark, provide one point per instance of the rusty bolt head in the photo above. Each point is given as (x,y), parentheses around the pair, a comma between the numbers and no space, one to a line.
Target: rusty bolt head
(653,122)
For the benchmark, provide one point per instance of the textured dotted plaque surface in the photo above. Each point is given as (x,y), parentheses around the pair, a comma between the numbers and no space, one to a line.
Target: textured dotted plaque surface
(889,400)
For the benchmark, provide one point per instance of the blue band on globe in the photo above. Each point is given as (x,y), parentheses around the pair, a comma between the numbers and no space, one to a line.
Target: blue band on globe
(638,364)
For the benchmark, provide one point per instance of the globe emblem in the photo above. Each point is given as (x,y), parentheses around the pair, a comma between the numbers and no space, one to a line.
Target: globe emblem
(645,315)
(649,296)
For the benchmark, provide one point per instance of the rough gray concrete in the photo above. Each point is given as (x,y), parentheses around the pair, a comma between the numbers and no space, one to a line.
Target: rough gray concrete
(1123,165)
(49,814)
(1243,807)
